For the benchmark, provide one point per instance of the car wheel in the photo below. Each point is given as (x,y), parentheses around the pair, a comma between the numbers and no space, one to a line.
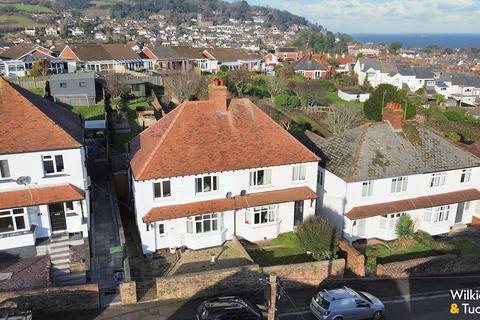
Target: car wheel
(377,315)
(338,318)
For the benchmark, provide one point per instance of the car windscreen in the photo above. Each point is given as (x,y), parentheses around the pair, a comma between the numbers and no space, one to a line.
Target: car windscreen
(322,302)
(364,296)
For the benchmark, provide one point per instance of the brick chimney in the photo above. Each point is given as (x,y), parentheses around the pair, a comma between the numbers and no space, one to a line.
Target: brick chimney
(393,114)
(217,94)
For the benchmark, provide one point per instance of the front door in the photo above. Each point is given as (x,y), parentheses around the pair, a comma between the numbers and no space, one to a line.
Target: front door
(459,215)
(298,213)
(57,216)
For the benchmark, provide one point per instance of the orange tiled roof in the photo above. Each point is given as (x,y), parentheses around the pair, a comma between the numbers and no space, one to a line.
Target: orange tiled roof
(226,204)
(31,123)
(37,196)
(412,204)
(194,139)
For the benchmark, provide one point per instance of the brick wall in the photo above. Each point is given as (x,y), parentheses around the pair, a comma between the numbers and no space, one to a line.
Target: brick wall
(430,266)
(354,259)
(57,299)
(244,279)
(128,292)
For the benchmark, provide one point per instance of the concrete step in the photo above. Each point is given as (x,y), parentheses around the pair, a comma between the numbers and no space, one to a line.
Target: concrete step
(60,255)
(61,266)
(72,278)
(61,261)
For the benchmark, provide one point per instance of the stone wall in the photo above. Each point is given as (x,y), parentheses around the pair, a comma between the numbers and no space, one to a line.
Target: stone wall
(244,279)
(430,266)
(128,292)
(57,299)
(354,259)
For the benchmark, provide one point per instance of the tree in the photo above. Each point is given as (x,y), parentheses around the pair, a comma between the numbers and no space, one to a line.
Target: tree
(117,88)
(275,85)
(281,100)
(395,46)
(404,228)
(318,236)
(238,79)
(183,86)
(342,119)
(39,68)
(383,94)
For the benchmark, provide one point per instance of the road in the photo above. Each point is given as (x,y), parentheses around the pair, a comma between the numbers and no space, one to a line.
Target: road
(404,299)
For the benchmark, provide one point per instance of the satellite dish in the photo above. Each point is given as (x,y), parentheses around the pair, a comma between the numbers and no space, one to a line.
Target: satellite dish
(229,195)
(24,180)
(243,193)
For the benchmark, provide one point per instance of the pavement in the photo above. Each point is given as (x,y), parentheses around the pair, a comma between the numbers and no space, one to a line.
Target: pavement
(420,298)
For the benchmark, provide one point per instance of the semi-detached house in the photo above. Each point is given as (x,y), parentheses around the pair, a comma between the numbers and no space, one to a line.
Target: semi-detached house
(212,169)
(373,174)
(43,177)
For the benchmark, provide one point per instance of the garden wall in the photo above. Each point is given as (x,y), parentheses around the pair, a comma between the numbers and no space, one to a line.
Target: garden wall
(354,259)
(430,266)
(244,279)
(57,299)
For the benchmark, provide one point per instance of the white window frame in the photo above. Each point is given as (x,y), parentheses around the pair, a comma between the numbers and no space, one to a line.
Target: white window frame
(13,215)
(441,213)
(437,179)
(252,215)
(399,184)
(161,229)
(53,159)
(254,178)
(197,224)
(367,188)
(465,175)
(5,174)
(389,221)
(201,182)
(162,189)
(299,172)
(66,207)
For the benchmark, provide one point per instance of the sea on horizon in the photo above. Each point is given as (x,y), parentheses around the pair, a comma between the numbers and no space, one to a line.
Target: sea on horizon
(423,40)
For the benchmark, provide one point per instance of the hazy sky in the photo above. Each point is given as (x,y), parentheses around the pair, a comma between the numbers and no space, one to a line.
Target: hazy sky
(386,16)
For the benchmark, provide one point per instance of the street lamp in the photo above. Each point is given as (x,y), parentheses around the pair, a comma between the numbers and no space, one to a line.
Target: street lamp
(383,100)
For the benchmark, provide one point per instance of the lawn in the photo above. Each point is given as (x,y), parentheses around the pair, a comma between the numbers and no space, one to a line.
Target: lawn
(31,8)
(282,250)
(93,112)
(15,21)
(38,91)
(465,246)
(119,139)
(333,98)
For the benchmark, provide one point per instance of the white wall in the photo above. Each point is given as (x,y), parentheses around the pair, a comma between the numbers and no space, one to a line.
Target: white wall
(183,191)
(30,164)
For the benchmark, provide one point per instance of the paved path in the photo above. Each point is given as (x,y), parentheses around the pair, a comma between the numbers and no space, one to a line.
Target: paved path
(104,235)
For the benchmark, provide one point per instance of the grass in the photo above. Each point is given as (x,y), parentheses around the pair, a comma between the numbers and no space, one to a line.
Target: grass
(465,246)
(93,112)
(333,98)
(38,91)
(16,21)
(282,250)
(31,8)
(120,139)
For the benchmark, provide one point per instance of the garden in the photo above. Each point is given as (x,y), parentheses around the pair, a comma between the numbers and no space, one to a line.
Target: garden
(315,239)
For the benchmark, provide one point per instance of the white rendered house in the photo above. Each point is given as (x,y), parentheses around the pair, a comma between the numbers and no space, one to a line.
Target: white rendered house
(373,174)
(43,178)
(210,169)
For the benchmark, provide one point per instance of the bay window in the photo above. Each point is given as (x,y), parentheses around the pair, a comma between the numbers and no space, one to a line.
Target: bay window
(437,214)
(53,164)
(203,223)
(12,220)
(260,177)
(206,184)
(260,215)
(389,221)
(399,184)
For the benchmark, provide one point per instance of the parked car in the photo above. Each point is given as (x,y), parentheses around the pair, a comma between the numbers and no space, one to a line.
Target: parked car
(346,304)
(229,308)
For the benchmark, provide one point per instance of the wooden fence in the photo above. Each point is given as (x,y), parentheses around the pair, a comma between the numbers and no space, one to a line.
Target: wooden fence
(30,82)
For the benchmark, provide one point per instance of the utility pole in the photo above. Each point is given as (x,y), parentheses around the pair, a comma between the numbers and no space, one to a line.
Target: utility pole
(273,297)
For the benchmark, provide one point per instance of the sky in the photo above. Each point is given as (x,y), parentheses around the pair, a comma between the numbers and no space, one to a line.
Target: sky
(386,16)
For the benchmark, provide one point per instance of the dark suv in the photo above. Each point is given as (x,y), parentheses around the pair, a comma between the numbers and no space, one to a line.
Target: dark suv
(228,308)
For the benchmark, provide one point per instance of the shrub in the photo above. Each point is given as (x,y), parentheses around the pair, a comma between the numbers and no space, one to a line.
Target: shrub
(453,136)
(404,227)
(294,102)
(318,236)
(140,108)
(281,100)
(411,111)
(454,115)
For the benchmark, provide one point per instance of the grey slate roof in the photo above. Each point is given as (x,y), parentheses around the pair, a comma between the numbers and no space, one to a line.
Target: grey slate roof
(166,53)
(308,64)
(469,80)
(388,67)
(369,63)
(405,70)
(374,151)
(423,73)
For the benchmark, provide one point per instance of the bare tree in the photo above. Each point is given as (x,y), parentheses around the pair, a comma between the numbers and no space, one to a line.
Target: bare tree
(182,86)
(343,118)
(117,88)
(275,85)
(238,78)
(286,123)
